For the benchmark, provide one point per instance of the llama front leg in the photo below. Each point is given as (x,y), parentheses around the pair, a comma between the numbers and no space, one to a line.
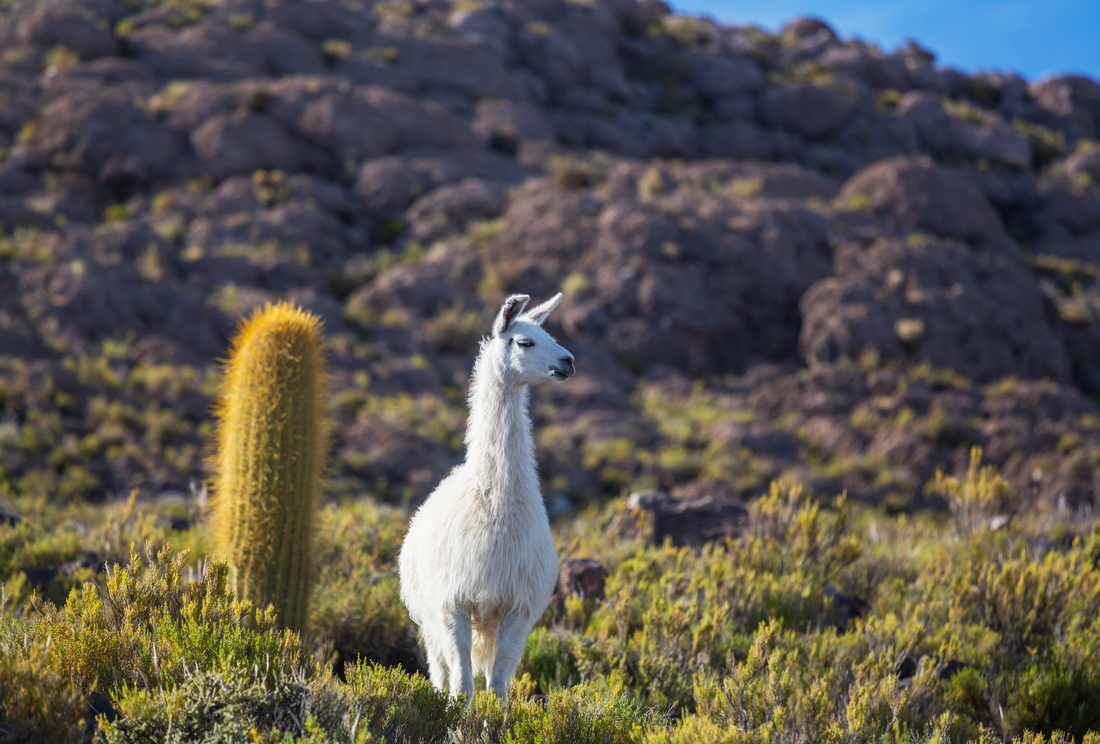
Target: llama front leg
(459,641)
(437,666)
(511,639)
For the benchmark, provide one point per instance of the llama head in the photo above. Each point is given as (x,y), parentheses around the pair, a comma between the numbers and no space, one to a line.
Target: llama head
(526,352)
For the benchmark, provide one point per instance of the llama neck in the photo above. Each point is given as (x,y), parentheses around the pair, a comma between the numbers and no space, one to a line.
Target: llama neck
(498,437)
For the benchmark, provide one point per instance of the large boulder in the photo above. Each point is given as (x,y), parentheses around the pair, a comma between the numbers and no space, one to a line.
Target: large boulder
(1075,100)
(243,142)
(486,26)
(868,67)
(349,127)
(503,124)
(982,136)
(94,302)
(805,27)
(48,24)
(924,300)
(714,76)
(1083,166)
(916,194)
(684,522)
(104,135)
(584,578)
(470,69)
(808,110)
(1067,225)
(317,21)
(449,209)
(387,186)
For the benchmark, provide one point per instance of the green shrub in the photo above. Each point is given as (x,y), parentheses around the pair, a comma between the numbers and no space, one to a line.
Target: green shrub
(594,713)
(974,499)
(1025,599)
(148,627)
(37,705)
(551,659)
(823,621)
(209,708)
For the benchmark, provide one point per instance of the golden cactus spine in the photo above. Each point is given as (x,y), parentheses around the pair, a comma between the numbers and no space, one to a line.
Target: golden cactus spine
(272,442)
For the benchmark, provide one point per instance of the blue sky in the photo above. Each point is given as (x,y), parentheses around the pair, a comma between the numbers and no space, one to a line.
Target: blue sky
(1033,38)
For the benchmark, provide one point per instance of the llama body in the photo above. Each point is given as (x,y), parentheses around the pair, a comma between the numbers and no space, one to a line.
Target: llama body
(479,564)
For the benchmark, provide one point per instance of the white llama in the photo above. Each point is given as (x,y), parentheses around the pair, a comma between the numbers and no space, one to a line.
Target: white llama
(478,565)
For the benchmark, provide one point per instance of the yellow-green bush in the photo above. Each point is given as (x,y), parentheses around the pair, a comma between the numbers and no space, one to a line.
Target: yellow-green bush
(795,631)
(149,626)
(975,498)
(37,704)
(359,610)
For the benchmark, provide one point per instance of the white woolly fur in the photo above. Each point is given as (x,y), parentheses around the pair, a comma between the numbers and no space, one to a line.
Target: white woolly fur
(479,564)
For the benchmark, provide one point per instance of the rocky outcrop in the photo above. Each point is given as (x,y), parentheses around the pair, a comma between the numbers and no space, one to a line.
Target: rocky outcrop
(979,313)
(804,223)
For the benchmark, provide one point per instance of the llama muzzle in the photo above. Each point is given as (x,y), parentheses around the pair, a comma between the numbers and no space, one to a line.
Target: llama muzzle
(563,370)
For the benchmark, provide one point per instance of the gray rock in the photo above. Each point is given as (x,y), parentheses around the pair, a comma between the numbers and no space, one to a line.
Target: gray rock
(914,193)
(449,209)
(922,300)
(583,578)
(229,144)
(316,21)
(988,138)
(1083,166)
(47,24)
(1075,100)
(101,302)
(105,136)
(349,127)
(213,38)
(503,119)
(486,26)
(686,291)
(856,62)
(684,522)
(470,69)
(420,123)
(809,47)
(742,139)
(1068,226)
(806,26)
(740,106)
(715,76)
(387,186)
(808,110)
(285,52)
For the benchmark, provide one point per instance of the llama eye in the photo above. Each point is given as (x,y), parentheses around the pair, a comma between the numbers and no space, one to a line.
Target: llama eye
(525,343)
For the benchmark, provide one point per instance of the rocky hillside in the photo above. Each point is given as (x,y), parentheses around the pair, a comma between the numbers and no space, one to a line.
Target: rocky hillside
(783,255)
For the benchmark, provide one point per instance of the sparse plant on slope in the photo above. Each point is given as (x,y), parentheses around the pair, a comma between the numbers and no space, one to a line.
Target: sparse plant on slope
(976,498)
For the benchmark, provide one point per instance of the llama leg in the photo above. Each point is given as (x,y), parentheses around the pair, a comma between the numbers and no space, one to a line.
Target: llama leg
(511,639)
(484,644)
(437,666)
(457,655)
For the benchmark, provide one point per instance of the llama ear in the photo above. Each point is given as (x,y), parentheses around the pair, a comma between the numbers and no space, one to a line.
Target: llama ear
(539,314)
(509,311)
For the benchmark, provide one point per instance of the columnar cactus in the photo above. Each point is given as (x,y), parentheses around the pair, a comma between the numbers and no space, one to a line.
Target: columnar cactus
(272,442)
